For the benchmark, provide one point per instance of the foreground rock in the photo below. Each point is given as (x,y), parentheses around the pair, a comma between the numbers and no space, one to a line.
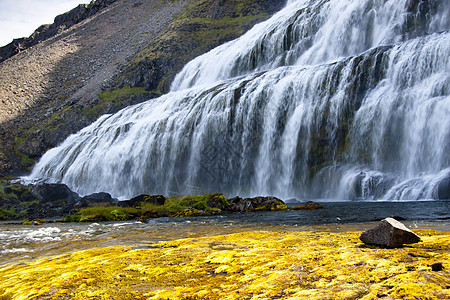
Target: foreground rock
(390,233)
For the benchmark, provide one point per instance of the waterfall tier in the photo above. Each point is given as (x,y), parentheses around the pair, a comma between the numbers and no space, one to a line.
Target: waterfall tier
(327,99)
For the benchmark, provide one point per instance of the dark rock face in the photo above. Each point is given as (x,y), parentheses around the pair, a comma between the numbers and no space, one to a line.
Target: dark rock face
(53,192)
(53,200)
(442,190)
(389,233)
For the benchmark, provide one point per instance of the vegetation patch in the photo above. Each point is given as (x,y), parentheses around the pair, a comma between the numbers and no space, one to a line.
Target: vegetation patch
(112,213)
(111,101)
(246,265)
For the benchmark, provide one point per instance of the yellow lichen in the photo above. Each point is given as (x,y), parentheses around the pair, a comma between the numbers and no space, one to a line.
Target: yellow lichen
(247,265)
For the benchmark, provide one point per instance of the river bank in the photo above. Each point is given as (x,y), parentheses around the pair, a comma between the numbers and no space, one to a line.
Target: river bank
(201,260)
(257,255)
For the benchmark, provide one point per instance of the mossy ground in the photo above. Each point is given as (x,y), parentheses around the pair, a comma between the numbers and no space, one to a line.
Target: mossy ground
(247,265)
(178,206)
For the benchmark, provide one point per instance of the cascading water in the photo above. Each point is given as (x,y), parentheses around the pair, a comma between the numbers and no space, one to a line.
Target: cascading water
(327,99)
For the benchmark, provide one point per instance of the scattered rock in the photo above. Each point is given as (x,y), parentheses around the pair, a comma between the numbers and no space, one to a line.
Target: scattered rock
(218,201)
(267,203)
(309,205)
(53,192)
(237,204)
(437,267)
(390,233)
(96,199)
(136,201)
(259,203)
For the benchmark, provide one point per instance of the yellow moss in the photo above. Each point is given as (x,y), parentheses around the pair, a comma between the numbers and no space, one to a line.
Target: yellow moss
(247,265)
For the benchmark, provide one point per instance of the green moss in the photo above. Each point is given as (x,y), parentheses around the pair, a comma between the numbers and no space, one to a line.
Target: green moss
(113,213)
(4,214)
(114,100)
(34,222)
(243,265)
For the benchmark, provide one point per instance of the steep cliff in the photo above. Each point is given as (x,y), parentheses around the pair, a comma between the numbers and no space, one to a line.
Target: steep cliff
(102,57)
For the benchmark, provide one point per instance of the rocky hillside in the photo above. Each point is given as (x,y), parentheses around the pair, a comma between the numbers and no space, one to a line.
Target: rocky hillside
(101,57)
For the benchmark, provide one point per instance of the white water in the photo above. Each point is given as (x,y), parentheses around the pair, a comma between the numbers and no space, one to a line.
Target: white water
(336,99)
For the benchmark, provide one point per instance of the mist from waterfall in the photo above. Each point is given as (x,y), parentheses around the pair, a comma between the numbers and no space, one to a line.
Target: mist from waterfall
(327,99)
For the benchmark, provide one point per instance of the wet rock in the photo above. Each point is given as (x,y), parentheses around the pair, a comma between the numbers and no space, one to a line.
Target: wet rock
(267,203)
(136,201)
(218,201)
(237,204)
(309,205)
(96,199)
(442,190)
(259,203)
(53,192)
(390,233)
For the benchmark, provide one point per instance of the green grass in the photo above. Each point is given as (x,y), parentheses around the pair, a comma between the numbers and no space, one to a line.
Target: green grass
(112,213)
(115,98)
(175,207)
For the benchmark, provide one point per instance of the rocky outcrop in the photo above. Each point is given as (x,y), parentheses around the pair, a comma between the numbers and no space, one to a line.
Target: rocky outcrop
(389,233)
(49,200)
(95,199)
(269,203)
(50,192)
(138,200)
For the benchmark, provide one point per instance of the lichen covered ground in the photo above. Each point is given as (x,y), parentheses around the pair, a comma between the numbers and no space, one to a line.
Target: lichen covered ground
(247,265)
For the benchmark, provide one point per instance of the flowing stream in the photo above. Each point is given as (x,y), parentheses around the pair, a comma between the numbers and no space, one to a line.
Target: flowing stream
(331,99)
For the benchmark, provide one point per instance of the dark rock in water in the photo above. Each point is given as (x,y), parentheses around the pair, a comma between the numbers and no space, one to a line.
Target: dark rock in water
(442,190)
(238,204)
(219,201)
(390,233)
(136,201)
(309,205)
(95,199)
(53,192)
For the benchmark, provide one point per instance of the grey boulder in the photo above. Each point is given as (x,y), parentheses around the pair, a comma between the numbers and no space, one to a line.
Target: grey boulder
(390,233)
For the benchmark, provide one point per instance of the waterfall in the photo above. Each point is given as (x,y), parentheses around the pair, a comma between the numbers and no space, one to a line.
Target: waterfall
(327,99)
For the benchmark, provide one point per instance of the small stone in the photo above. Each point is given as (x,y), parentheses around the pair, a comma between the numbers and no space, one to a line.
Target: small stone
(390,233)
(437,267)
